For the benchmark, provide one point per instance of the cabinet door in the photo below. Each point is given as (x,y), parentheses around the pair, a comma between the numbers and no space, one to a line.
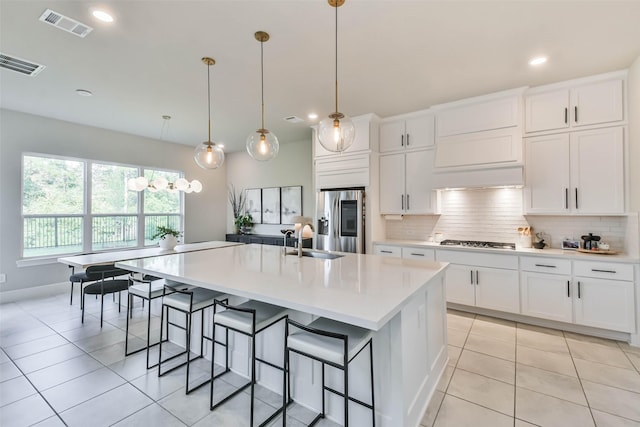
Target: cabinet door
(459,282)
(597,103)
(547,174)
(497,289)
(419,197)
(546,295)
(597,171)
(606,304)
(547,111)
(392,136)
(392,184)
(419,131)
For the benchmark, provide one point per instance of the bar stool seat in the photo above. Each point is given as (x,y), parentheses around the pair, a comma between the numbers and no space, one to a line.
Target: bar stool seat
(147,288)
(335,344)
(188,300)
(250,319)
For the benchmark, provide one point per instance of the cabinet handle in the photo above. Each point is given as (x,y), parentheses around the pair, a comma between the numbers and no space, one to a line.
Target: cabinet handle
(568,290)
(575,113)
(576,197)
(385,251)
(408,199)
(402,140)
(566,115)
(604,271)
(477,278)
(414,254)
(407,140)
(471,281)
(546,265)
(566,198)
(578,289)
(402,201)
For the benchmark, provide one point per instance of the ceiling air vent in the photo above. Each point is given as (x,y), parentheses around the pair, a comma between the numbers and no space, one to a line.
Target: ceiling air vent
(21,66)
(65,23)
(293,119)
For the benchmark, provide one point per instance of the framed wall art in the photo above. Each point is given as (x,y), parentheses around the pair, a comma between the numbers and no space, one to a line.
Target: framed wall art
(290,204)
(253,204)
(271,205)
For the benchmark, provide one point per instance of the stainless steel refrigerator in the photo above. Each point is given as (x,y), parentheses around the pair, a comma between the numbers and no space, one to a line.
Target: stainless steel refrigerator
(340,220)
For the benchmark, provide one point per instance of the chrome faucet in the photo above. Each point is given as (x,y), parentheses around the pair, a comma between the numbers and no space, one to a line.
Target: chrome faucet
(287,233)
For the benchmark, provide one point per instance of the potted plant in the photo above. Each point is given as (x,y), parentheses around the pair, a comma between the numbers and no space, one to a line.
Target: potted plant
(168,237)
(237,202)
(244,223)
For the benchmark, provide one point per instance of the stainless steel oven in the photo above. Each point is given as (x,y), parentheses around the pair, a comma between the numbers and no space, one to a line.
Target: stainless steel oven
(340,220)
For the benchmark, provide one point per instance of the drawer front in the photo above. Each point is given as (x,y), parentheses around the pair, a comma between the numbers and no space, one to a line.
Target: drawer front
(387,250)
(478,259)
(603,270)
(419,253)
(545,265)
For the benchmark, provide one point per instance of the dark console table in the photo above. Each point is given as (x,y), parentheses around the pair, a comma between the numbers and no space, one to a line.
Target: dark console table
(265,239)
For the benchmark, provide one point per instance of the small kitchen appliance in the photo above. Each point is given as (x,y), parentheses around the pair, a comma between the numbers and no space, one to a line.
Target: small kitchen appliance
(590,242)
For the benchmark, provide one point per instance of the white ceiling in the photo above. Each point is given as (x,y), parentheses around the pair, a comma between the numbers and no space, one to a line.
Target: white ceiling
(394,57)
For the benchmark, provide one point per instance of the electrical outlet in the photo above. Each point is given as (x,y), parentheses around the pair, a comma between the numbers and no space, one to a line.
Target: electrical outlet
(3,277)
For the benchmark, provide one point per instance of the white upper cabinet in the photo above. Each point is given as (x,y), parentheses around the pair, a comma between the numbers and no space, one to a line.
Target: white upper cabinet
(576,173)
(407,132)
(578,104)
(477,115)
(406,183)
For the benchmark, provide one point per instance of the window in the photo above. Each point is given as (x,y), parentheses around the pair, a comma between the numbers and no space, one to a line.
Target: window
(75,205)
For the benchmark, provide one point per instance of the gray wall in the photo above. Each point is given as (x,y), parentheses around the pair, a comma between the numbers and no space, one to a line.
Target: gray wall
(205,213)
(293,166)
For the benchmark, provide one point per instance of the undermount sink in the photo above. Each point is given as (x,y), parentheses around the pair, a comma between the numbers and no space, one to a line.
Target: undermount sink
(314,254)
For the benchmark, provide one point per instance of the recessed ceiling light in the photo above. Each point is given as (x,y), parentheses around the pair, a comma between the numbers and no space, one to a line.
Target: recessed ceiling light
(84,92)
(313,116)
(220,145)
(538,60)
(102,16)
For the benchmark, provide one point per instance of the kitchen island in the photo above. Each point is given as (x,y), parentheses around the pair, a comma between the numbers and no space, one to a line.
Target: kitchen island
(402,301)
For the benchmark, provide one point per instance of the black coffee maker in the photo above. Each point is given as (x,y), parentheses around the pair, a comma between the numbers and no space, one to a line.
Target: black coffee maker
(590,242)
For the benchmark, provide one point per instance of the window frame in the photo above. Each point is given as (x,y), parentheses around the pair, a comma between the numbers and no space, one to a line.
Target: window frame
(87,215)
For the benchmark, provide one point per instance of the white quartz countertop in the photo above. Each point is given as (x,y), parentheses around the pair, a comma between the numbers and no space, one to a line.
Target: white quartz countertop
(551,252)
(363,290)
(83,261)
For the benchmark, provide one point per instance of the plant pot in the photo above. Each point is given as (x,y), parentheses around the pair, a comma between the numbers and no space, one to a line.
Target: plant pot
(168,242)
(245,229)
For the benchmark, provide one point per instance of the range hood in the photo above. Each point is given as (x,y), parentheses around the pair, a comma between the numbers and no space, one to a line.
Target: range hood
(510,176)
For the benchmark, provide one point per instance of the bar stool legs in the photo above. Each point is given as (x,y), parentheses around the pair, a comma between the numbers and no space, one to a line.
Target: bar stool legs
(339,344)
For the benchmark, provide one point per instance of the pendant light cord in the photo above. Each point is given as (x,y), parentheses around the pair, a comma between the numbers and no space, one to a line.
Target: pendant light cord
(336,7)
(209,97)
(262,79)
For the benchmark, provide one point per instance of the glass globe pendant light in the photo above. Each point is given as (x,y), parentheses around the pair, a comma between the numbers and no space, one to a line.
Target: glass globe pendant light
(336,132)
(262,145)
(209,155)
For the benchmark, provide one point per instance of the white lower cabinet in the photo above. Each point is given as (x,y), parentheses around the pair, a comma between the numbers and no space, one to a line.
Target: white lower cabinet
(602,299)
(494,287)
(546,295)
(594,296)
(406,252)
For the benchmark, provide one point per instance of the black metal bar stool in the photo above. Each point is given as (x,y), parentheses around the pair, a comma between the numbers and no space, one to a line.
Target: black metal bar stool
(335,344)
(250,319)
(188,300)
(147,288)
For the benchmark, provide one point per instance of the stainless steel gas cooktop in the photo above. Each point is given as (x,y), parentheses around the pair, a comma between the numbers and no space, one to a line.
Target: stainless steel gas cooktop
(479,244)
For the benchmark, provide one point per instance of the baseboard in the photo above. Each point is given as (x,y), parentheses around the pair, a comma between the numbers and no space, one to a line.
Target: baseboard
(569,327)
(34,292)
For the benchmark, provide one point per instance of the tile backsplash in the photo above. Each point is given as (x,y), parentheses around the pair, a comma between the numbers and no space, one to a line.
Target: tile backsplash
(494,214)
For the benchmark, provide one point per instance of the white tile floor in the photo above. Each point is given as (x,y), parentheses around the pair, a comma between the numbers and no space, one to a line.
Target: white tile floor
(504,373)
(54,371)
